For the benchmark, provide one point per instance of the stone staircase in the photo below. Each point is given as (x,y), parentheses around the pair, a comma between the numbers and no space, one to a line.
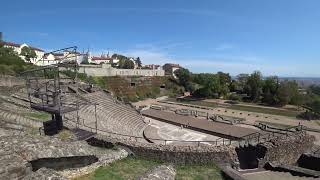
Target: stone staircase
(274,175)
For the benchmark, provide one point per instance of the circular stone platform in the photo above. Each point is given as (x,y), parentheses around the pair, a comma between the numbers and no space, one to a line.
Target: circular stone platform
(161,130)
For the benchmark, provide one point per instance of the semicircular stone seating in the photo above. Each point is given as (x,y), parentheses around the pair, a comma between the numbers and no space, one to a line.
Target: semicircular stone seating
(112,116)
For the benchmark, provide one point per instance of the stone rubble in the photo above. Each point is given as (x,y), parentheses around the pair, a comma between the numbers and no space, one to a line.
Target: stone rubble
(44,174)
(17,150)
(162,172)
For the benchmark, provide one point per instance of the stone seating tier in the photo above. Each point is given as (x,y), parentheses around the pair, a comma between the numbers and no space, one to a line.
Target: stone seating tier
(112,115)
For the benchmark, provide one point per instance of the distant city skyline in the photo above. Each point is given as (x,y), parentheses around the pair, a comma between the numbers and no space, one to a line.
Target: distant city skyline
(275,37)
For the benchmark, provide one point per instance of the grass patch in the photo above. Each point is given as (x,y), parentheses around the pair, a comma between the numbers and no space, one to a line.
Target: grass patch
(42,116)
(238,107)
(265,110)
(198,172)
(132,168)
(33,131)
(287,126)
(128,168)
(64,135)
(199,103)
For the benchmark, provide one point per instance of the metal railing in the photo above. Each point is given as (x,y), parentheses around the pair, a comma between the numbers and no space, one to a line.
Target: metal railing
(217,142)
(258,137)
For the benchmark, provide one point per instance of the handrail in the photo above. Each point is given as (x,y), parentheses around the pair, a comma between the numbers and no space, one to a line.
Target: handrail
(214,142)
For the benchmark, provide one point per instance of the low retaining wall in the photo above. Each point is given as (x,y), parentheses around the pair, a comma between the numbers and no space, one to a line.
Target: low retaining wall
(10,81)
(287,151)
(202,154)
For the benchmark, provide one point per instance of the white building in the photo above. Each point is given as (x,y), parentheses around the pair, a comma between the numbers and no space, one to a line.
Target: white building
(107,70)
(18,47)
(54,58)
(100,60)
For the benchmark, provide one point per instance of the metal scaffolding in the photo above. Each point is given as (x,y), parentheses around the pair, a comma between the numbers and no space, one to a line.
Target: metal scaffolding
(54,88)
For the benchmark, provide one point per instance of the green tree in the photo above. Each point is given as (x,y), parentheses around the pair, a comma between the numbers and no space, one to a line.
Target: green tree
(315,89)
(184,78)
(28,53)
(315,106)
(128,64)
(10,62)
(288,93)
(138,61)
(234,86)
(242,82)
(270,88)
(224,78)
(283,95)
(85,59)
(254,86)
(210,85)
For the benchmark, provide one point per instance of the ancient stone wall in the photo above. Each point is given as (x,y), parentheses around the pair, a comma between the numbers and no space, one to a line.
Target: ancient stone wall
(202,154)
(107,70)
(286,151)
(10,81)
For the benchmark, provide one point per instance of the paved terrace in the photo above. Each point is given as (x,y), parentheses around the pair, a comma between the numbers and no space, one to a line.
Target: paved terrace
(203,125)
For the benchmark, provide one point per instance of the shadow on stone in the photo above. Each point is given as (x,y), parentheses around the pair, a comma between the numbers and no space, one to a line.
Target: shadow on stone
(63,162)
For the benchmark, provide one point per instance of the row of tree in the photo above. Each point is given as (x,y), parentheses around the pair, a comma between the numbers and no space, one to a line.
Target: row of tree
(251,87)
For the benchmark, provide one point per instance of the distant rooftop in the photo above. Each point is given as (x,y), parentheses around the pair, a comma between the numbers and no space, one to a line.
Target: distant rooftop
(18,45)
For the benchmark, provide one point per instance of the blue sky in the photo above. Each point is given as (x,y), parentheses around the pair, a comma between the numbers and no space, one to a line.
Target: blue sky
(276,37)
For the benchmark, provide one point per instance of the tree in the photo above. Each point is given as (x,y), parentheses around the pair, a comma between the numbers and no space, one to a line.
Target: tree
(10,62)
(270,88)
(224,78)
(254,86)
(185,77)
(234,86)
(315,106)
(242,82)
(128,64)
(210,85)
(283,95)
(288,93)
(28,53)
(138,61)
(315,89)
(85,59)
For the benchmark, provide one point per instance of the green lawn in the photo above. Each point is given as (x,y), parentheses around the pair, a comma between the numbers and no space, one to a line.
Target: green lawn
(131,168)
(42,116)
(239,107)
(265,110)
(199,103)
(128,168)
(198,172)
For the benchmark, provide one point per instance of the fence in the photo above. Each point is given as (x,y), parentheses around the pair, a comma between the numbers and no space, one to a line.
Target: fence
(217,142)
(258,137)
